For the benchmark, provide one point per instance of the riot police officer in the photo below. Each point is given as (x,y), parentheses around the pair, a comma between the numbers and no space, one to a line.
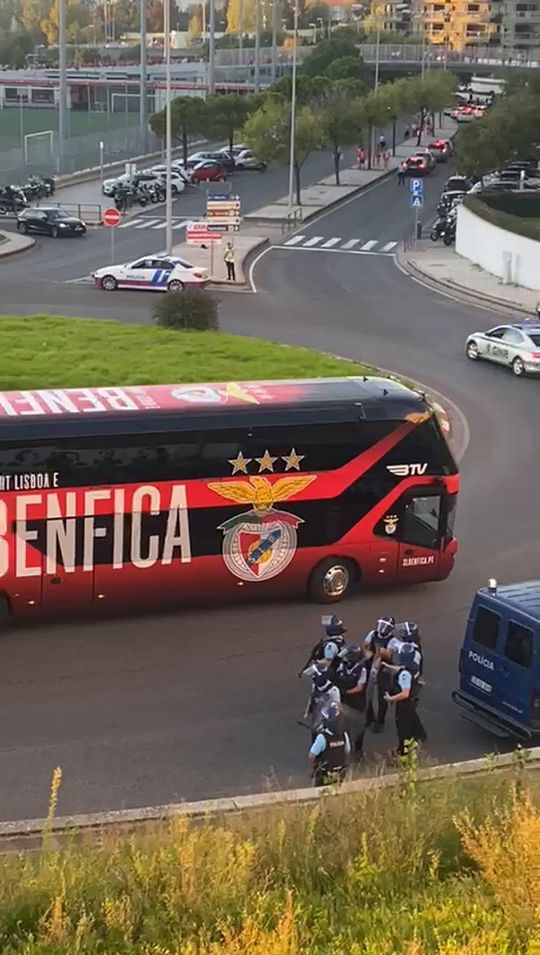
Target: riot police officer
(323,692)
(380,680)
(330,750)
(407,632)
(330,644)
(405,696)
(351,679)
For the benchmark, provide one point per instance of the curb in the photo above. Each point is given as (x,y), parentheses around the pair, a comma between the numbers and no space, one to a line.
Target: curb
(28,243)
(98,821)
(460,292)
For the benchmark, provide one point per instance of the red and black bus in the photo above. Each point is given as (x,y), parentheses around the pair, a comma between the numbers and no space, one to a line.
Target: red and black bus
(154,495)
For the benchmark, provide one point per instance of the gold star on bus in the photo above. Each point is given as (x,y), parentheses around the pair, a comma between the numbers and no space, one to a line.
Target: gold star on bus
(266,463)
(292,460)
(240,463)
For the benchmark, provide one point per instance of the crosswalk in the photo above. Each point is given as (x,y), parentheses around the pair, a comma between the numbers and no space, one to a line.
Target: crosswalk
(155,223)
(336,243)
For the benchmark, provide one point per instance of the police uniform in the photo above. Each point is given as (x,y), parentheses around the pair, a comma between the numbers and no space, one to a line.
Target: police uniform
(351,677)
(322,693)
(379,680)
(331,749)
(408,724)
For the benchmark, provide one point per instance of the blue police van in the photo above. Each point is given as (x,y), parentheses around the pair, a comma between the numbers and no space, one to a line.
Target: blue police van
(499,663)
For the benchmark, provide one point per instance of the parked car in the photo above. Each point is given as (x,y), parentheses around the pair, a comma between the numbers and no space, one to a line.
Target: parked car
(209,170)
(176,167)
(178,181)
(457,184)
(50,221)
(158,273)
(234,151)
(198,157)
(129,181)
(245,159)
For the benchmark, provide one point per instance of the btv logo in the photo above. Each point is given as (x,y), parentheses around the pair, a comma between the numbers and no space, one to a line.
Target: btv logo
(407,470)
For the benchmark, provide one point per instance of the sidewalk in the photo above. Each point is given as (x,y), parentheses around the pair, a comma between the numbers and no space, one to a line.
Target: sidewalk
(320,195)
(11,242)
(443,267)
(244,246)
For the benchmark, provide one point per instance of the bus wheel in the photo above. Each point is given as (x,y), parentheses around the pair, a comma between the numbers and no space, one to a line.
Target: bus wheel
(5,615)
(331,580)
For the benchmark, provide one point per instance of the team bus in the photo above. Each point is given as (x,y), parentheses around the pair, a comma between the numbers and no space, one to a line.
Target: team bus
(145,496)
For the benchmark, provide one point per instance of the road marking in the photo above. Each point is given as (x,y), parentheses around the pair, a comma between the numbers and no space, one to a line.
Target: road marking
(350,244)
(389,246)
(330,242)
(160,225)
(295,239)
(302,248)
(180,225)
(367,246)
(127,225)
(147,223)
(313,241)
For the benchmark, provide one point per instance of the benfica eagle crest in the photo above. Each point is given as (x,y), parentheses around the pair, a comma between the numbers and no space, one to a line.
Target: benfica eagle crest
(261,542)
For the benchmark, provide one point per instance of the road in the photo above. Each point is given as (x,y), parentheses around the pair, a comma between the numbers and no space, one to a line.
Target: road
(139,711)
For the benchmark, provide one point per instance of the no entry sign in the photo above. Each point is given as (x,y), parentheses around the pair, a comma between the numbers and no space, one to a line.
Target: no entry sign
(111,217)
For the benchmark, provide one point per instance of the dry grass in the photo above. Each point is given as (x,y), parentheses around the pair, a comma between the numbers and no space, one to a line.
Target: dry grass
(438,869)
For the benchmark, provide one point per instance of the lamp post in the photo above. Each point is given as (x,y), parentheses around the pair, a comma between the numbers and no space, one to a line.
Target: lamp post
(168,127)
(274,39)
(377,55)
(62,63)
(257,45)
(293,107)
(101,145)
(143,112)
(212,49)
(241,34)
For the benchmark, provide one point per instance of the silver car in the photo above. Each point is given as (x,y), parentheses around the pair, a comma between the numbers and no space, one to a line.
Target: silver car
(517,346)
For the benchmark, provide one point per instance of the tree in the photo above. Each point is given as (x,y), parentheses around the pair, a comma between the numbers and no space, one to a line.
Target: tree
(341,119)
(154,17)
(326,52)
(14,47)
(434,91)
(225,115)
(187,118)
(267,133)
(373,114)
(241,16)
(309,90)
(396,100)
(510,130)
(195,27)
(77,17)
(348,68)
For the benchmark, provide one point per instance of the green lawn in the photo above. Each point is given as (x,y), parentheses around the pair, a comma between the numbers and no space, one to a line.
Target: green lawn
(43,352)
(38,120)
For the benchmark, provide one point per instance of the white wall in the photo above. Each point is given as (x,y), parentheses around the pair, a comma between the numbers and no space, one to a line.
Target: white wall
(514,258)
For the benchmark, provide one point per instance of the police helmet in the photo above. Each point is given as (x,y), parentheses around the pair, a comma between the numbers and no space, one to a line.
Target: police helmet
(407,656)
(333,626)
(330,717)
(385,627)
(351,656)
(321,680)
(410,632)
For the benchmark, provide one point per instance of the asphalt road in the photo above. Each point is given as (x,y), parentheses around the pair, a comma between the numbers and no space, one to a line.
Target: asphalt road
(201,703)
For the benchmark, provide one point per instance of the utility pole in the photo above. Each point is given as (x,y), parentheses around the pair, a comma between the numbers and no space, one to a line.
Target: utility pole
(274,39)
(212,49)
(143,105)
(257,45)
(293,108)
(241,33)
(62,104)
(168,126)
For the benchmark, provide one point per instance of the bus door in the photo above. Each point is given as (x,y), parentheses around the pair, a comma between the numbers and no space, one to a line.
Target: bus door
(69,555)
(420,534)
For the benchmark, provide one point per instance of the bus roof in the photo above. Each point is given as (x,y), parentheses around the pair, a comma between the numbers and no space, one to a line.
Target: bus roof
(377,398)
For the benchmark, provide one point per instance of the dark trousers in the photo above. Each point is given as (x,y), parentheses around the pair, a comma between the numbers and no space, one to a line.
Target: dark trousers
(231,272)
(401,178)
(409,726)
(377,714)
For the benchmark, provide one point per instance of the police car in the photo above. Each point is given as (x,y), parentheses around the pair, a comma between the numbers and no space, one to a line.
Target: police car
(156,273)
(517,346)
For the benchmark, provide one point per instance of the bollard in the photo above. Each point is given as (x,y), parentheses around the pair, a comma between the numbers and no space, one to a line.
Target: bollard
(418,230)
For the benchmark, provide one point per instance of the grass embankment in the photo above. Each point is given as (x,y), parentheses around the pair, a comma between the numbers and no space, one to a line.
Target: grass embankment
(45,352)
(438,869)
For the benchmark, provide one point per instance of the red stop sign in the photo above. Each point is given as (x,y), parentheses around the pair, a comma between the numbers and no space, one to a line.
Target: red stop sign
(111,217)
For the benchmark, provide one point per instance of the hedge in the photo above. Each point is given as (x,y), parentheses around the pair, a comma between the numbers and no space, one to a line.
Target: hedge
(530,228)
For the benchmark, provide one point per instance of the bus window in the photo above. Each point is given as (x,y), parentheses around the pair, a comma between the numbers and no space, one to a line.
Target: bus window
(421,520)
(323,446)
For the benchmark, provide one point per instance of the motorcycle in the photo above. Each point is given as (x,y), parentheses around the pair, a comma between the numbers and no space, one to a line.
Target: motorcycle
(439,228)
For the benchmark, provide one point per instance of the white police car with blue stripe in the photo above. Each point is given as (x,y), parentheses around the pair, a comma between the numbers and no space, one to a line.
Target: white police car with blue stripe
(156,273)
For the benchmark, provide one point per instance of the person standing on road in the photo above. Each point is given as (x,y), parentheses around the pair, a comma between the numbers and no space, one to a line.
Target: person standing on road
(405,695)
(401,174)
(382,143)
(360,157)
(330,748)
(228,258)
(386,159)
(351,679)
(379,677)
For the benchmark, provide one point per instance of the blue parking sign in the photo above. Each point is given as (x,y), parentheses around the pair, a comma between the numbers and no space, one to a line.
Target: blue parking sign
(417,186)
(417,201)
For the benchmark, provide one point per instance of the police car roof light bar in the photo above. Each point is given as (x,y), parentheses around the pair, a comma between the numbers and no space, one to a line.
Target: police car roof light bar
(492,585)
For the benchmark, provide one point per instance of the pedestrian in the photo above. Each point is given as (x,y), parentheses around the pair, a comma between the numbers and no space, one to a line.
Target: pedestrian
(360,157)
(351,680)
(414,129)
(379,678)
(228,258)
(406,133)
(405,696)
(328,647)
(386,159)
(330,749)
(402,168)
(382,143)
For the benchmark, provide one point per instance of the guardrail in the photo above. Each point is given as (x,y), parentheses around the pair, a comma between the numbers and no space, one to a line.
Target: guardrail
(292,219)
(89,212)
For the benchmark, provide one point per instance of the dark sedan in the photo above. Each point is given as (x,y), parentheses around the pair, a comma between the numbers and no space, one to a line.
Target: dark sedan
(50,221)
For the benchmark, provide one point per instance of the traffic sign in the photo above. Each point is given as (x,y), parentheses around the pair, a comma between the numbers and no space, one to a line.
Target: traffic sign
(417,201)
(223,211)
(198,233)
(417,186)
(111,217)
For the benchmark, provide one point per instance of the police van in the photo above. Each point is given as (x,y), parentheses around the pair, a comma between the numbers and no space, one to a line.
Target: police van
(499,664)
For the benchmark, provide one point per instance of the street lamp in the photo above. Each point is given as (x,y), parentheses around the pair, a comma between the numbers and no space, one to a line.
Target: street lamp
(168,127)
(143,117)
(274,39)
(377,54)
(62,64)
(293,107)
(101,145)
(257,45)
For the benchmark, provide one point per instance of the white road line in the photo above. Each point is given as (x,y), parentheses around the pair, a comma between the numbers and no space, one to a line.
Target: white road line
(389,246)
(295,239)
(181,225)
(331,242)
(147,223)
(313,241)
(160,225)
(367,246)
(350,244)
(131,222)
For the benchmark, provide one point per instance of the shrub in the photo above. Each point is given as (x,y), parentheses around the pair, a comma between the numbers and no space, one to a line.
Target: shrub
(530,228)
(193,309)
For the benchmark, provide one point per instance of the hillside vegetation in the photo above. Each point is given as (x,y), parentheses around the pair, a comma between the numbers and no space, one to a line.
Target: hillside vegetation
(425,869)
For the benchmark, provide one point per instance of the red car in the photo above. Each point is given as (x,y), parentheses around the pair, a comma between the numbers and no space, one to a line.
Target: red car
(441,149)
(415,166)
(209,170)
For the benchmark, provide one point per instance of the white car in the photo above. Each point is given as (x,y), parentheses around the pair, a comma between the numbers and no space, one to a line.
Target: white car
(178,182)
(127,180)
(517,346)
(176,170)
(245,159)
(157,273)
(196,158)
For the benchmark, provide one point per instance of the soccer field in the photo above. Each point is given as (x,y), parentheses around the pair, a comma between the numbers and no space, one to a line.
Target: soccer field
(39,120)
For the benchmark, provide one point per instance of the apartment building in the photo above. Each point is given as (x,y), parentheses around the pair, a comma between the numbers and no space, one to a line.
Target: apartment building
(457,24)
(520,23)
